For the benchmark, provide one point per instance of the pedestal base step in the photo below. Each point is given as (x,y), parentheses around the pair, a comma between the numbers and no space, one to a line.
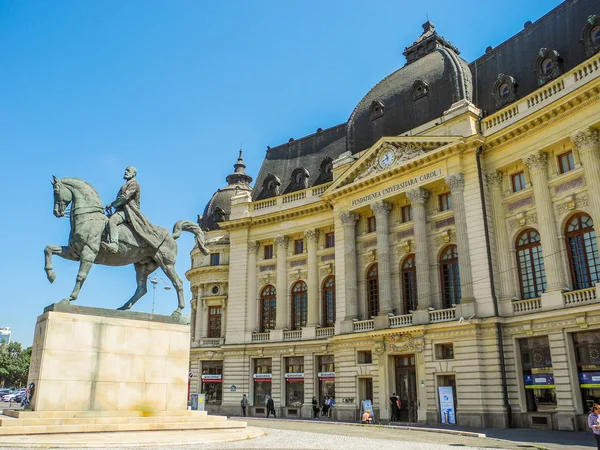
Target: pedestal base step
(45,422)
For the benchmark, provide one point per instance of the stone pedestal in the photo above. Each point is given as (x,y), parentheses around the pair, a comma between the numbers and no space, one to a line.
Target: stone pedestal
(92,359)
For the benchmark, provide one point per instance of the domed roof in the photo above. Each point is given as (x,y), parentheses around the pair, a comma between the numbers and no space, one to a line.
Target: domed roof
(219,207)
(432,80)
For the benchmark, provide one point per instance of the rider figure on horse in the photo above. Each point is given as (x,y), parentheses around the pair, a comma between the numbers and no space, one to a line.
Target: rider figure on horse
(127,210)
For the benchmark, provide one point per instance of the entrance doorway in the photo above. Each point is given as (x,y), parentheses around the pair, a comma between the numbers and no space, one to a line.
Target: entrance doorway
(365,389)
(448,381)
(406,387)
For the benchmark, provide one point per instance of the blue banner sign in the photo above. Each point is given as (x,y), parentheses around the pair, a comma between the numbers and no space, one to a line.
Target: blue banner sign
(589,379)
(448,414)
(539,381)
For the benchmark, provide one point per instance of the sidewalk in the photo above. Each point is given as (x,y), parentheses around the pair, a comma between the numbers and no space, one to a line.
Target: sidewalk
(541,439)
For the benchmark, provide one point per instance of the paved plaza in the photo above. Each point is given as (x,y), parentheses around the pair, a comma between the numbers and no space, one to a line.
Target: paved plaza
(290,434)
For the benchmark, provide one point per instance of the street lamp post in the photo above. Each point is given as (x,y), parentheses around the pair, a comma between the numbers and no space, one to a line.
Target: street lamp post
(154,282)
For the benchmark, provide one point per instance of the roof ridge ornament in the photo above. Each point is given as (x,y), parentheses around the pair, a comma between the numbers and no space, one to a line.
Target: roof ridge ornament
(428,42)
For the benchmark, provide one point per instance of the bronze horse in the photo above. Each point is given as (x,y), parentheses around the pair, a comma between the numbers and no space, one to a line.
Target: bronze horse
(88,227)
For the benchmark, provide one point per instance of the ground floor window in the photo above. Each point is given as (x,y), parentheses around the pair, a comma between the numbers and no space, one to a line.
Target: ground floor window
(326,376)
(587,354)
(538,375)
(294,381)
(212,381)
(262,380)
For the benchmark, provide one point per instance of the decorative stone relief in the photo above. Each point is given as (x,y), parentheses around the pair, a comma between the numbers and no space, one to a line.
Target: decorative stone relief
(418,196)
(253,247)
(405,342)
(348,219)
(370,256)
(585,139)
(401,152)
(570,203)
(329,257)
(298,275)
(405,247)
(312,235)
(536,161)
(504,90)
(444,238)
(494,179)
(569,185)
(282,242)
(456,181)
(379,348)
(369,243)
(297,263)
(521,203)
(444,223)
(325,271)
(521,220)
(381,208)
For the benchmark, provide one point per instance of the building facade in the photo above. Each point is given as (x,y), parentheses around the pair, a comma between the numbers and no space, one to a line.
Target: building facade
(442,237)
(5,335)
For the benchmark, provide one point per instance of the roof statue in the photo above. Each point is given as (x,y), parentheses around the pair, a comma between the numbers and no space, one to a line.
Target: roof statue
(120,237)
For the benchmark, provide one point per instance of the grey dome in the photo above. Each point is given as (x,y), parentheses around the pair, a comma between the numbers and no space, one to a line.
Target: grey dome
(433,79)
(219,207)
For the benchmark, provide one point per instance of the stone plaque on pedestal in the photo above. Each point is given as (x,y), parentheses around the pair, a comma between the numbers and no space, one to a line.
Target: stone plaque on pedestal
(92,359)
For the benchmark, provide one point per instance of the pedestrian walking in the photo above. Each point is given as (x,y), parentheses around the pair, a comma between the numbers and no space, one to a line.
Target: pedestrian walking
(243,404)
(594,423)
(315,407)
(393,408)
(271,407)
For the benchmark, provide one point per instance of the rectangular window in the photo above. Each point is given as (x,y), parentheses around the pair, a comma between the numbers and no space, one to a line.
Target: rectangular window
(214,322)
(587,353)
(294,382)
(371,224)
(212,380)
(444,351)
(566,162)
(406,214)
(538,375)
(268,251)
(214,259)
(518,181)
(364,357)
(329,240)
(326,375)
(262,380)
(445,201)
(299,246)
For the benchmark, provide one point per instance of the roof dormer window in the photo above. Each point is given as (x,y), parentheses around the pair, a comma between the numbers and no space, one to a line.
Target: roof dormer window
(504,90)
(299,179)
(547,65)
(419,89)
(590,35)
(376,110)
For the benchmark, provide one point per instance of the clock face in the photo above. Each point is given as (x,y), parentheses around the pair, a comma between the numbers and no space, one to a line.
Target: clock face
(387,158)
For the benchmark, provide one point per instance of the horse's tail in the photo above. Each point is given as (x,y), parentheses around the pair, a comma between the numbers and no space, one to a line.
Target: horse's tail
(186,225)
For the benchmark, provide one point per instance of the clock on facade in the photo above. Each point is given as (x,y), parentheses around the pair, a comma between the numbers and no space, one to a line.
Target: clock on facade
(387,158)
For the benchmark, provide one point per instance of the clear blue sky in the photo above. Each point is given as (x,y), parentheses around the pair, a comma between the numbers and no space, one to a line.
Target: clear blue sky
(173,87)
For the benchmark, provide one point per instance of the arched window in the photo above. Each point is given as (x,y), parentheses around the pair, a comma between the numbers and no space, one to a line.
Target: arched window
(328,299)
(299,305)
(409,284)
(583,251)
(450,277)
(268,300)
(372,291)
(532,275)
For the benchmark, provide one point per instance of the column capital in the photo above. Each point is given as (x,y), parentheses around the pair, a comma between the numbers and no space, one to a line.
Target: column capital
(312,235)
(493,179)
(418,196)
(253,247)
(282,241)
(585,140)
(348,219)
(381,208)
(536,161)
(456,181)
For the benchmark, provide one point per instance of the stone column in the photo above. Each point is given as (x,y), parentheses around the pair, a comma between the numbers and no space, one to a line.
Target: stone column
(506,277)
(381,209)
(199,314)
(312,240)
(349,220)
(418,197)
(251,301)
(537,163)
(456,182)
(281,315)
(588,146)
(194,336)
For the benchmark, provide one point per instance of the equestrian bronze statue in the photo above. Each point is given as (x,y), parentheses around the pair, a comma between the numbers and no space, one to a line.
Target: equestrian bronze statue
(120,237)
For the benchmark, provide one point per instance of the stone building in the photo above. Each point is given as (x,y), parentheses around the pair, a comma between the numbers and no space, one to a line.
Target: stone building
(442,236)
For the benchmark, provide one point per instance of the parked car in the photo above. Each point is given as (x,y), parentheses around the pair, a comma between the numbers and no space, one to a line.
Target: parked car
(3,392)
(9,397)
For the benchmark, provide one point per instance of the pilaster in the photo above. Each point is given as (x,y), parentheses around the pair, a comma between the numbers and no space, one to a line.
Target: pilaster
(418,197)
(281,314)
(381,209)
(587,144)
(251,301)
(312,240)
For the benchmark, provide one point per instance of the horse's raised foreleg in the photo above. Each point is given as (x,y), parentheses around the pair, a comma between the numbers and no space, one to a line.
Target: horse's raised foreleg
(63,252)
(169,270)
(141,274)
(84,269)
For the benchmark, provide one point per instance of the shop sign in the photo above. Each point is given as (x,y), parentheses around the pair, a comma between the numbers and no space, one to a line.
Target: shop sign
(448,414)
(589,379)
(212,378)
(264,377)
(294,376)
(326,376)
(539,380)
(400,187)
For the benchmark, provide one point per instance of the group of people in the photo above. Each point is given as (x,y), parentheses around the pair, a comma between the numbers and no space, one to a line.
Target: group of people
(270,404)
(326,407)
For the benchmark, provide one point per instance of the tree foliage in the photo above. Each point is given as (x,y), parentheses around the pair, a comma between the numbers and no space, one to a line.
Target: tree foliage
(14,364)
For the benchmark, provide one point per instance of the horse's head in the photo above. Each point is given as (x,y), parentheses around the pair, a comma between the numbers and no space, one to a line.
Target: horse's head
(62,197)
